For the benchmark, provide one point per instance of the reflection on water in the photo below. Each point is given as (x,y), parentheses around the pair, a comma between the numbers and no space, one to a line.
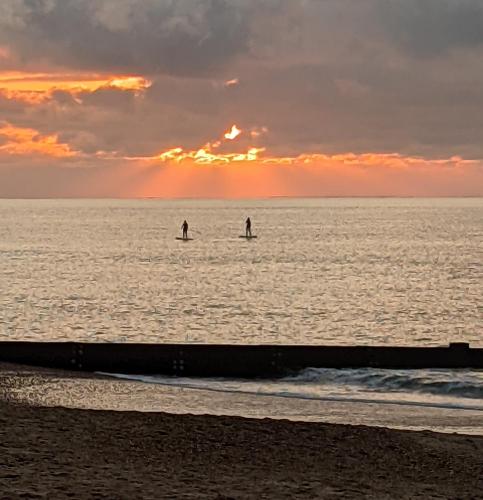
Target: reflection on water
(326,271)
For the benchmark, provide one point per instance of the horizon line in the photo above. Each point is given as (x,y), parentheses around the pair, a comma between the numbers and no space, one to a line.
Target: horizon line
(240,197)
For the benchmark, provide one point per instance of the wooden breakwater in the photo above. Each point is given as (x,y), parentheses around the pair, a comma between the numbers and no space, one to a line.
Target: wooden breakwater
(209,360)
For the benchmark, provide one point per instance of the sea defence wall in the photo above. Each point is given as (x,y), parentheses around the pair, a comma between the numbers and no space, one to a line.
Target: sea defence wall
(208,360)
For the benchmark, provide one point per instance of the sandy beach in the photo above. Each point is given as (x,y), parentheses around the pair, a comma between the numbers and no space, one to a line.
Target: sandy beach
(61,453)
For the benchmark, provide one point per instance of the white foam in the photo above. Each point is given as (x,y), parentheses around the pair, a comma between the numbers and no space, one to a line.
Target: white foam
(454,383)
(282,389)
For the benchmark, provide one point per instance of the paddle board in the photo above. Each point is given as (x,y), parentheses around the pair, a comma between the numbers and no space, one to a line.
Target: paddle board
(184,239)
(248,237)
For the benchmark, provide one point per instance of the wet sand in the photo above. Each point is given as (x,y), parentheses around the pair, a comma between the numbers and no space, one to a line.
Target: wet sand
(60,453)
(79,390)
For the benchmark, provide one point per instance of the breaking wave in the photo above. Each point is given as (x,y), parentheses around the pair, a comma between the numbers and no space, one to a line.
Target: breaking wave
(454,383)
(458,389)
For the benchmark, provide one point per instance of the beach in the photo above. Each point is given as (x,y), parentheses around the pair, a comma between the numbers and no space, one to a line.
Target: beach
(54,452)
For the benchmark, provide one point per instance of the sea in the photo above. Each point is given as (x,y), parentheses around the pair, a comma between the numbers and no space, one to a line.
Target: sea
(322,271)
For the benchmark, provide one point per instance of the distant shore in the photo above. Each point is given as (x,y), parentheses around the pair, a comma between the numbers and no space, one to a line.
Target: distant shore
(57,452)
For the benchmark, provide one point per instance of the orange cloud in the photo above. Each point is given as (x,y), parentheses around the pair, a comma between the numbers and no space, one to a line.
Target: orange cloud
(258,155)
(232,83)
(205,155)
(393,160)
(252,172)
(233,133)
(136,83)
(208,173)
(27,141)
(24,96)
(4,52)
(35,88)
(258,132)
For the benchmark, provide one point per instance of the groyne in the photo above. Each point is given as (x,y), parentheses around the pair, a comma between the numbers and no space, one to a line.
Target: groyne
(209,360)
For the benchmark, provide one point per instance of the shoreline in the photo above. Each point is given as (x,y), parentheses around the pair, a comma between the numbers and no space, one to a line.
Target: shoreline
(323,399)
(46,387)
(57,452)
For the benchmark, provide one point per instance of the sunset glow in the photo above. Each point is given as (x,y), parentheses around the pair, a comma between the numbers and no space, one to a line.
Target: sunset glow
(232,83)
(35,88)
(205,156)
(26,141)
(233,133)
(209,154)
(189,98)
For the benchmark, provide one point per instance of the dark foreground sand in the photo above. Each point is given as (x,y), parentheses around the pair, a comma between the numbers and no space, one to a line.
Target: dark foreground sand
(60,453)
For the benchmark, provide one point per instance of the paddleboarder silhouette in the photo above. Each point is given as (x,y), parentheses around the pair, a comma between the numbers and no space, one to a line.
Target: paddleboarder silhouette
(248,225)
(184,227)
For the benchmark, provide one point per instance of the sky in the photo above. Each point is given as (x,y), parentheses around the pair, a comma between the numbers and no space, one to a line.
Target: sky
(241,98)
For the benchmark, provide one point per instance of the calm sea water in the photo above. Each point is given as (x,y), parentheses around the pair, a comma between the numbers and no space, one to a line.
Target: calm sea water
(322,271)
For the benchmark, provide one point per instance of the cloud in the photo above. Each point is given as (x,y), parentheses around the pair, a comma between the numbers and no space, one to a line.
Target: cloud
(220,152)
(34,88)
(4,53)
(231,83)
(433,27)
(181,37)
(308,81)
(19,141)
(233,133)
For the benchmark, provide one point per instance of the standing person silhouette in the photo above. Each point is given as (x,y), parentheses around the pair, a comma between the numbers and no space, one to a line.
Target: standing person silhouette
(248,225)
(184,227)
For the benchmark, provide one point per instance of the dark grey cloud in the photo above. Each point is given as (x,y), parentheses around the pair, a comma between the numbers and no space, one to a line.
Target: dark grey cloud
(432,27)
(200,37)
(183,37)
